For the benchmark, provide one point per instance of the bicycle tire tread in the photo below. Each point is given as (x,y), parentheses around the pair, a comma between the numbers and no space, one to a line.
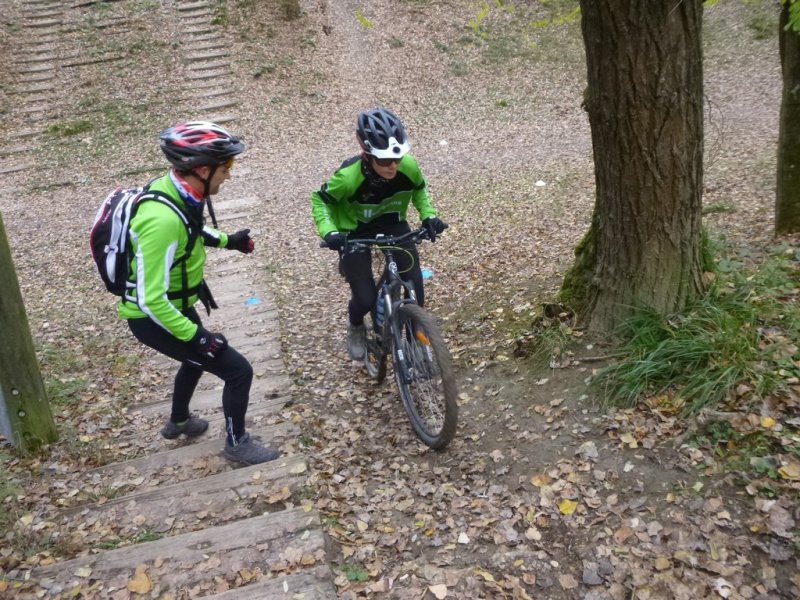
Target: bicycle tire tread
(426,321)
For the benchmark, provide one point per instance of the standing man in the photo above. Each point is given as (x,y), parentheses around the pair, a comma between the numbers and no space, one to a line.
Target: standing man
(168,241)
(369,195)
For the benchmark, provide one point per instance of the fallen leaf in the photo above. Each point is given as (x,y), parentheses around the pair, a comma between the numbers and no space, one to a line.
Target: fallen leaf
(540,480)
(790,470)
(623,534)
(781,522)
(723,588)
(247,575)
(663,563)
(83,572)
(439,591)
(568,582)
(140,583)
(533,534)
(567,507)
(298,468)
(283,494)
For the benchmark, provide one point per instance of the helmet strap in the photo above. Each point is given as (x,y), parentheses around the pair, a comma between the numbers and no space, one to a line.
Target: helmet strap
(207,189)
(369,172)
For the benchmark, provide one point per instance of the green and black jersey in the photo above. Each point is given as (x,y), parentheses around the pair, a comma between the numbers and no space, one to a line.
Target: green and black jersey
(351,201)
(159,237)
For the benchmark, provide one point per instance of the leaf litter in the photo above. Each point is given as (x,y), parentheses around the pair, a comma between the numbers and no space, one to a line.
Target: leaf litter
(543,493)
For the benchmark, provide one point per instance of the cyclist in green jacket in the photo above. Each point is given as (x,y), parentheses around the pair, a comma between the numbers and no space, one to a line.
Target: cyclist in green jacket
(165,283)
(369,195)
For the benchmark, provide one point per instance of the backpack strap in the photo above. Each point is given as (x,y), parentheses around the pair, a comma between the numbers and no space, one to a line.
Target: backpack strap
(192,230)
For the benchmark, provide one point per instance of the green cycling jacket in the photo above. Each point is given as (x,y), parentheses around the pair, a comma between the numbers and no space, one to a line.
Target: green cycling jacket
(352,201)
(158,238)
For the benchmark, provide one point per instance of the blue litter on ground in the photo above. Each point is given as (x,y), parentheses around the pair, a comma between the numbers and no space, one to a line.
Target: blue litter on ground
(253,301)
(427,273)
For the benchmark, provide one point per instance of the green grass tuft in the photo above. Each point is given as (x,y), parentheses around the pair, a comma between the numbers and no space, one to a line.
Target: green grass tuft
(744,331)
(69,128)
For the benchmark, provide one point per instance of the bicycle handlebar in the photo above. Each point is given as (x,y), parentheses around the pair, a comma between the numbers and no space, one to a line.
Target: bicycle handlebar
(416,236)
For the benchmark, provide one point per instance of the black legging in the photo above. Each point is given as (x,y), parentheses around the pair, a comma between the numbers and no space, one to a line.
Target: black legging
(357,270)
(230,366)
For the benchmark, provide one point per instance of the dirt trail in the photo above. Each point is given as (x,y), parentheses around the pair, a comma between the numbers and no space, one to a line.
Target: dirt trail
(543,494)
(493,516)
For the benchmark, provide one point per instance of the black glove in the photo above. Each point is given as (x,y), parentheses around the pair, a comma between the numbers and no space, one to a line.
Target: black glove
(209,344)
(435,226)
(335,240)
(241,241)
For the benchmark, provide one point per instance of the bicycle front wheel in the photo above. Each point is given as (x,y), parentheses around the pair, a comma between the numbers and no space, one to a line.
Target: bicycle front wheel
(424,373)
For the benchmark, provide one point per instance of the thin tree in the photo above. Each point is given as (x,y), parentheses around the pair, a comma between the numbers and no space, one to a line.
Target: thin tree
(645,104)
(787,195)
(25,416)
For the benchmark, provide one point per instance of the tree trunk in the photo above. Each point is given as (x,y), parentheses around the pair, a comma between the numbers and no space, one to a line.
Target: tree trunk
(645,105)
(25,417)
(787,197)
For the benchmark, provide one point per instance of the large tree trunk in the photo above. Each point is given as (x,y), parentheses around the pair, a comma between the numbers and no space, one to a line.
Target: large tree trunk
(645,106)
(25,417)
(787,197)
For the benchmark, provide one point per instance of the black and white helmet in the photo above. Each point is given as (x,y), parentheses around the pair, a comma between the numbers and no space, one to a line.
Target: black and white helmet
(382,134)
(199,143)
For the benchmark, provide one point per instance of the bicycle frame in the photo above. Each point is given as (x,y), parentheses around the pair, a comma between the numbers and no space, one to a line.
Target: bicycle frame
(390,283)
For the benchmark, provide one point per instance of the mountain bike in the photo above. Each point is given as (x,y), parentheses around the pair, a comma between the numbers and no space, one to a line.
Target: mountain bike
(399,327)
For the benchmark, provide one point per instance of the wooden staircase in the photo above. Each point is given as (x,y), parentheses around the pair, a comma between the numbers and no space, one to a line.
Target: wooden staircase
(223,530)
(176,519)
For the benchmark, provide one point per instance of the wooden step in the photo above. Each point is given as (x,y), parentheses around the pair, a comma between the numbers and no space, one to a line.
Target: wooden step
(221,73)
(289,540)
(193,504)
(205,457)
(151,440)
(312,584)
(189,6)
(265,392)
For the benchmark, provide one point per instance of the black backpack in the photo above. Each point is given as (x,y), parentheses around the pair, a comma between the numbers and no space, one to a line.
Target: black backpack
(110,236)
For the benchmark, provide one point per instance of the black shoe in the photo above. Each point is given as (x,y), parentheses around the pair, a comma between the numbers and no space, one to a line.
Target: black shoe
(192,427)
(250,452)
(356,341)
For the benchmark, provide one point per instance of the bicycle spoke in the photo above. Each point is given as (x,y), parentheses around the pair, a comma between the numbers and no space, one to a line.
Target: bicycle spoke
(424,376)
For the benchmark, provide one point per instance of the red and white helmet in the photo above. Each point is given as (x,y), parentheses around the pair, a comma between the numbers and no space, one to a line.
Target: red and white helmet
(199,143)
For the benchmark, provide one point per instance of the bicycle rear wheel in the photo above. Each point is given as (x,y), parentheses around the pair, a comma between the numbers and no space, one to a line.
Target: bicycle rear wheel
(424,373)
(375,355)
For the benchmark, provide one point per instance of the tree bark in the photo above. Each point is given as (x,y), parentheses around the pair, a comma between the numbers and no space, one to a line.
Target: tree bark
(645,105)
(787,196)
(25,416)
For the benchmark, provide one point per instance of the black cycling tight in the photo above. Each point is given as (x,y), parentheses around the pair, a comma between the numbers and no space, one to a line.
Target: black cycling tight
(230,366)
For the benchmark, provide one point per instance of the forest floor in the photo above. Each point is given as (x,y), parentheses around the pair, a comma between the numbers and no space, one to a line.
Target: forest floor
(545,492)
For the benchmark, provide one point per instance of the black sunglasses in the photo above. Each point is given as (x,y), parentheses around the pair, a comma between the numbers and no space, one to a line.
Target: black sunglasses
(385,162)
